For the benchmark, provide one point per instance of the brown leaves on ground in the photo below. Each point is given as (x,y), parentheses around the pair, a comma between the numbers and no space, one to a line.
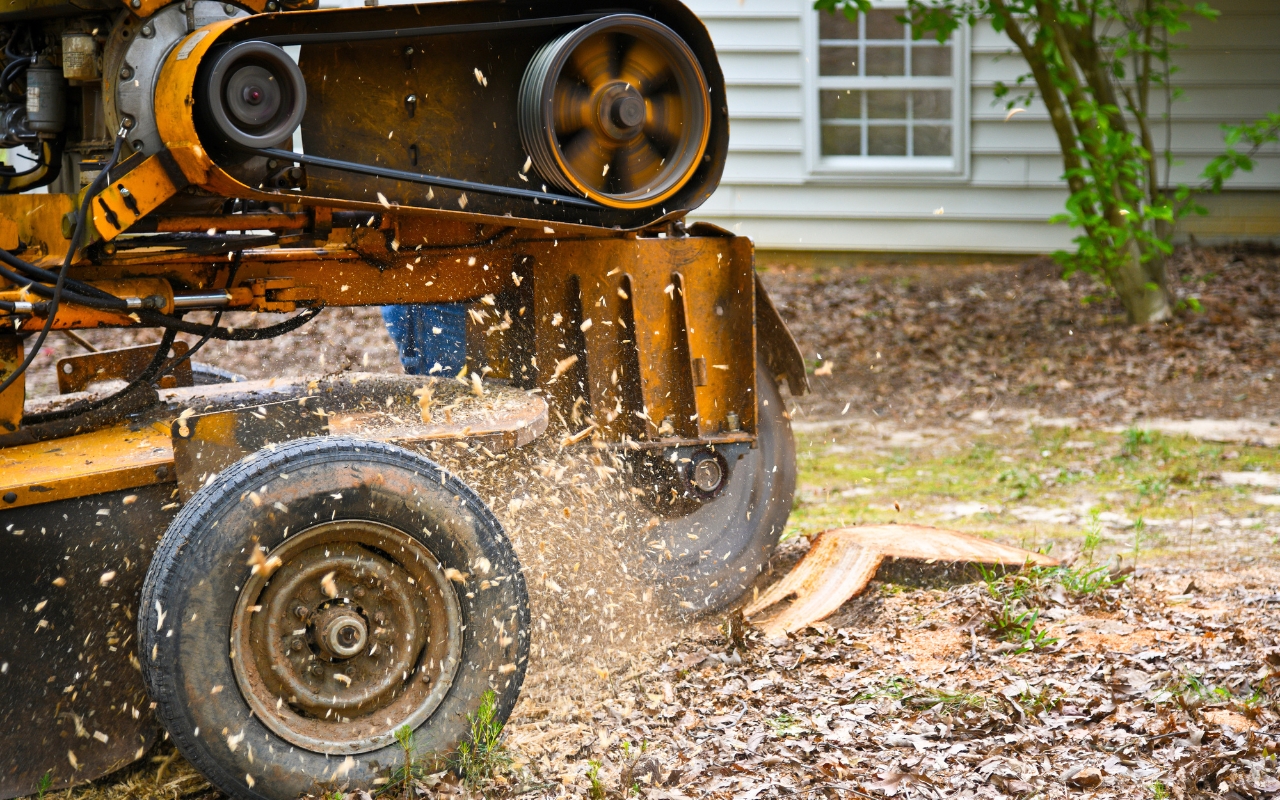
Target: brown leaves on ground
(940,340)
(893,697)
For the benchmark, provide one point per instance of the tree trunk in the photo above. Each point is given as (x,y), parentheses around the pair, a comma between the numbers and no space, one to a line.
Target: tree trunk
(1141,287)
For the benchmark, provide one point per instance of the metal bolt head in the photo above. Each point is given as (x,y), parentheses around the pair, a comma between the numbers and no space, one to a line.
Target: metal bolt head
(426,678)
(317,670)
(272,6)
(126,73)
(707,474)
(228,9)
(148,31)
(300,612)
(135,3)
(732,422)
(296,645)
(408,51)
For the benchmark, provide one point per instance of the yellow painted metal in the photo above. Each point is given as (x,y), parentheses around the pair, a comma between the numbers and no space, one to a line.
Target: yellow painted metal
(637,313)
(72,316)
(12,398)
(130,198)
(91,463)
(38,218)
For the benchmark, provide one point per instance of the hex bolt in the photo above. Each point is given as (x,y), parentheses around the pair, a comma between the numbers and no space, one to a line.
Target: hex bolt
(317,670)
(126,73)
(228,9)
(148,30)
(426,678)
(300,612)
(296,645)
(135,3)
(127,122)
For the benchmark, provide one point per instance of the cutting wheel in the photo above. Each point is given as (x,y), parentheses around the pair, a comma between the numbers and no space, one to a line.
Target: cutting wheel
(617,111)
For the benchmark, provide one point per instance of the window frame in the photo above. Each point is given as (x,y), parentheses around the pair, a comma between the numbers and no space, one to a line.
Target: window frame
(901,168)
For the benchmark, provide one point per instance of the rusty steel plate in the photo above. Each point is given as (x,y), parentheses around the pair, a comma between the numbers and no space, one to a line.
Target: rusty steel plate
(76,373)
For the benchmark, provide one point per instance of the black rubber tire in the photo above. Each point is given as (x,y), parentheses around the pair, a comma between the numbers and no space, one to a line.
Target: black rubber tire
(193,585)
(209,375)
(739,529)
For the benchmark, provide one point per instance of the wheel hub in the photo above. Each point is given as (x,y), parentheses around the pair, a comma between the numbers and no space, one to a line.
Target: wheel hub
(620,111)
(340,632)
(357,633)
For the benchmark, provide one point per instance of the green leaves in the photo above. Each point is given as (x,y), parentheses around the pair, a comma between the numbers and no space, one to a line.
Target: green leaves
(1254,135)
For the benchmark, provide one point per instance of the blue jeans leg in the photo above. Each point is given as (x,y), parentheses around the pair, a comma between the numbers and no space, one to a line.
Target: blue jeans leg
(429,334)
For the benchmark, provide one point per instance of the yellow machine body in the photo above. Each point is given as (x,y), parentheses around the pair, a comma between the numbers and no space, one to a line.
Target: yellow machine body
(421,172)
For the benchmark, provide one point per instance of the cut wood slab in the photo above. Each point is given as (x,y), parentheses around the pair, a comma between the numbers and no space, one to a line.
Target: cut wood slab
(841,562)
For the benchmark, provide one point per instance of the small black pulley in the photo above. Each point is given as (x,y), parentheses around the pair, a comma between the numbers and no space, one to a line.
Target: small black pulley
(249,96)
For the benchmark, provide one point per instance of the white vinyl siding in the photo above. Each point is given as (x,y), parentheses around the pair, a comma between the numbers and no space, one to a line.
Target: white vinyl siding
(777,190)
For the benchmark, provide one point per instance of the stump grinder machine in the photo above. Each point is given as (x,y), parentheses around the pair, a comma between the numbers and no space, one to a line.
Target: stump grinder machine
(272,573)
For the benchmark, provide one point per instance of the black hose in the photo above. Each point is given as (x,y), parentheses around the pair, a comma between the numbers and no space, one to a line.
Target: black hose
(155,370)
(152,371)
(104,300)
(76,231)
(229,334)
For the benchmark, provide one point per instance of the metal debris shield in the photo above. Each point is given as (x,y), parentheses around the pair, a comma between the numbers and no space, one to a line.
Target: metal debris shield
(841,562)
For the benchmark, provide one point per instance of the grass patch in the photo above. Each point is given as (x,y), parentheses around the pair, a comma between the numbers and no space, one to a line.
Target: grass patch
(850,477)
(481,755)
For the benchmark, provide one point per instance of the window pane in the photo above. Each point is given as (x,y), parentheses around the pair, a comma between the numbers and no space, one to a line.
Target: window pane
(932,140)
(930,60)
(886,61)
(838,61)
(882,23)
(841,104)
(836,26)
(887,140)
(933,104)
(888,104)
(841,140)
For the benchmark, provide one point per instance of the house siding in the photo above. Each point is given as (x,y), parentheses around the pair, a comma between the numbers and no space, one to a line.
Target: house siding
(1229,72)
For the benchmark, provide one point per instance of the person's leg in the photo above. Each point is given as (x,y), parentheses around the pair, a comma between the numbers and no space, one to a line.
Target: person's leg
(427,335)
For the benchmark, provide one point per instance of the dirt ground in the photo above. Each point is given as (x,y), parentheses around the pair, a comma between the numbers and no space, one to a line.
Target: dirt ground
(999,400)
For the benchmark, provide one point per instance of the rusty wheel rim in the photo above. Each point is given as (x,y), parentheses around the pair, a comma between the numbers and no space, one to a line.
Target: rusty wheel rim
(356,633)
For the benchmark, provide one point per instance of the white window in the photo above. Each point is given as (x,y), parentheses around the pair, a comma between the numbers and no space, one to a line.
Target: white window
(881,102)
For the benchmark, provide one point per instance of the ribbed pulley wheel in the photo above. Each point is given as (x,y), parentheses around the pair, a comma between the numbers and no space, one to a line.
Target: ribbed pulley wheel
(617,111)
